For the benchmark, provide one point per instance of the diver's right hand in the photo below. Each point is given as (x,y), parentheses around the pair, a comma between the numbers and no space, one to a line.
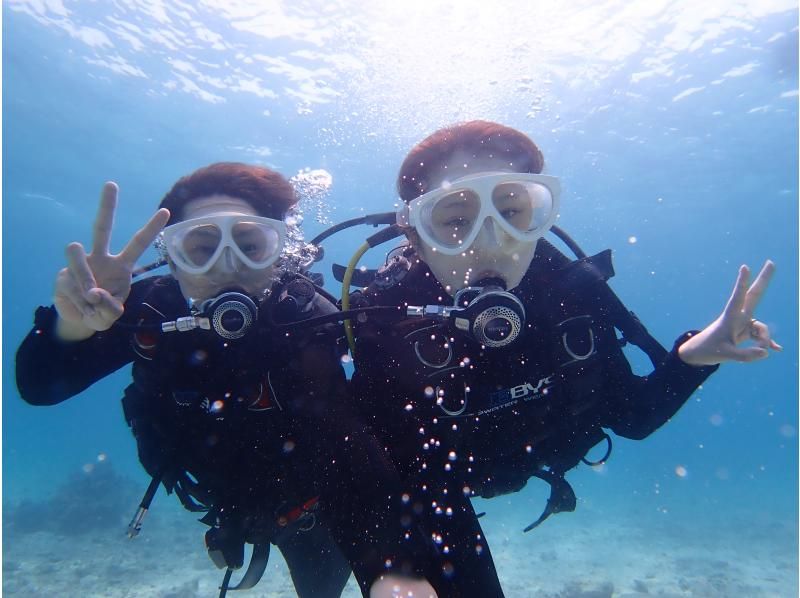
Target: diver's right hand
(91,290)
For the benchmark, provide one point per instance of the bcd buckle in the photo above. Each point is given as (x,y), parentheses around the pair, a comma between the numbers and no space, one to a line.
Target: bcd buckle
(302,514)
(225,547)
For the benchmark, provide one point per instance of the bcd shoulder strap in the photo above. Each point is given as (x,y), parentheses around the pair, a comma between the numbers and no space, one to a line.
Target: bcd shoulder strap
(596,270)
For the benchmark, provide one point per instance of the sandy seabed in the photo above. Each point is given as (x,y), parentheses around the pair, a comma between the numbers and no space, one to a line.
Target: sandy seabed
(571,556)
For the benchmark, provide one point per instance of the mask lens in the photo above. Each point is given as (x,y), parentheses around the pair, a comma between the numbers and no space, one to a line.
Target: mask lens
(197,245)
(451,218)
(525,206)
(258,242)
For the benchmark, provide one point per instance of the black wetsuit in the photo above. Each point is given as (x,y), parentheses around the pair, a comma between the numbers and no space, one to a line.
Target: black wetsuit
(262,424)
(464,419)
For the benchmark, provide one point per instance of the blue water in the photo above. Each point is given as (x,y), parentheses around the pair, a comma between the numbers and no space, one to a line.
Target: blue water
(667,123)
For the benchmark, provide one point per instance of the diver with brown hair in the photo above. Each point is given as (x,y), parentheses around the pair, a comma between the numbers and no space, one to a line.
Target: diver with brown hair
(241,415)
(484,356)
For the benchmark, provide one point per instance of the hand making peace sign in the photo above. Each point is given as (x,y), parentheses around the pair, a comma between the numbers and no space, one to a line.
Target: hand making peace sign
(720,340)
(91,290)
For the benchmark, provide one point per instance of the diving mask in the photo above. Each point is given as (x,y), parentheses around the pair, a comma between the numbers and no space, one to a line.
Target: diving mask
(195,245)
(450,218)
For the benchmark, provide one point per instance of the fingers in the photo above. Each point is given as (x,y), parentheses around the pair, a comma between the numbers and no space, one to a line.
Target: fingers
(744,299)
(96,309)
(760,333)
(104,221)
(67,298)
(144,237)
(736,302)
(748,354)
(759,286)
(107,309)
(74,285)
(79,268)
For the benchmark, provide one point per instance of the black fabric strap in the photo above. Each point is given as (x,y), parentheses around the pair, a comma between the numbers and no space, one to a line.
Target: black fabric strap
(256,568)
(562,496)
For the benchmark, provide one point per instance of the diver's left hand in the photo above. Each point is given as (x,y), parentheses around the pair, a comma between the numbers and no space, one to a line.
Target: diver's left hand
(720,340)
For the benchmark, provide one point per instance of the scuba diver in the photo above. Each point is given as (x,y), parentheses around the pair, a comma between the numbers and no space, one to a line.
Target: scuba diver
(243,416)
(484,356)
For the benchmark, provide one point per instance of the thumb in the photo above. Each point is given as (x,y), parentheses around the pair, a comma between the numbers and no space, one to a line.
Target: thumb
(747,354)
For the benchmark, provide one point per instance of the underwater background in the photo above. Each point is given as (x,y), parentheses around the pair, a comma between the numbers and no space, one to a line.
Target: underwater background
(673,127)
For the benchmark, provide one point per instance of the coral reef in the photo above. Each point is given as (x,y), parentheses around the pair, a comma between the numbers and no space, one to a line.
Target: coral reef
(96,498)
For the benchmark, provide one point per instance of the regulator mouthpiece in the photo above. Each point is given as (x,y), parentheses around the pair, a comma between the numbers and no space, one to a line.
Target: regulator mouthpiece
(494,317)
(231,314)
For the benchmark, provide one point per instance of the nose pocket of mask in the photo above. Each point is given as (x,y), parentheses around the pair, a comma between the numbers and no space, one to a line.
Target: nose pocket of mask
(228,260)
(490,234)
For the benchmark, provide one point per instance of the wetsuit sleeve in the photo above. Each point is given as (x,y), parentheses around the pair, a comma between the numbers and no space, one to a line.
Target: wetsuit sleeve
(50,370)
(639,405)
